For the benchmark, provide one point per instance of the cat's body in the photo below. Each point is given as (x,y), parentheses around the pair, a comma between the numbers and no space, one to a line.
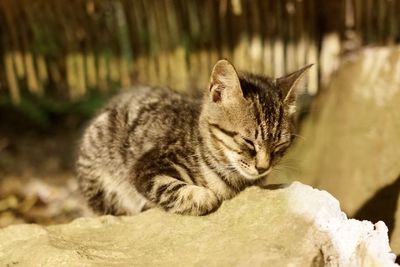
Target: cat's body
(154,147)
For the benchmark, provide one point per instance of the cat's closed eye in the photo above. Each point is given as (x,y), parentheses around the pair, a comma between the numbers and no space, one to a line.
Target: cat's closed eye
(244,142)
(248,143)
(281,148)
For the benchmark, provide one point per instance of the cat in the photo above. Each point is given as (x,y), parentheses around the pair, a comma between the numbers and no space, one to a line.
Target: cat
(154,147)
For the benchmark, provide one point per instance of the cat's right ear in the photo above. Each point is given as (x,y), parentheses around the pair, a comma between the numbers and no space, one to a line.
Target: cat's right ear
(224,82)
(290,84)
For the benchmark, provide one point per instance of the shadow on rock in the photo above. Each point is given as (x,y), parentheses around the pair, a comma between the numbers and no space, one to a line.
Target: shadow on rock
(382,206)
(274,186)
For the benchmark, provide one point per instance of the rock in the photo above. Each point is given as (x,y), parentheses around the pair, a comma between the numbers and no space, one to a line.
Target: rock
(350,145)
(396,232)
(292,226)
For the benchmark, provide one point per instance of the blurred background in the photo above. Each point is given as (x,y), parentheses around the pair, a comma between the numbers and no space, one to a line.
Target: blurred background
(61,60)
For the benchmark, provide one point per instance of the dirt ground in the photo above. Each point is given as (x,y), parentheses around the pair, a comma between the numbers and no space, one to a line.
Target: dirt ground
(37,183)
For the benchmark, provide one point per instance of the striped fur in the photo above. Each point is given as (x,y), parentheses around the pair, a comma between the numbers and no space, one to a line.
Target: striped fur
(153,147)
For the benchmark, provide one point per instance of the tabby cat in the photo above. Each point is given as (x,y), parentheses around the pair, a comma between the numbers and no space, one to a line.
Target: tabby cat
(154,147)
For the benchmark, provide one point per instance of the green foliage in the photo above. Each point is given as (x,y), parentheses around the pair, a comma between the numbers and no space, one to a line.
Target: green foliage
(40,109)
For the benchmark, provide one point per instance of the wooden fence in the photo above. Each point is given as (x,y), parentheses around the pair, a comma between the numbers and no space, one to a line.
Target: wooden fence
(65,49)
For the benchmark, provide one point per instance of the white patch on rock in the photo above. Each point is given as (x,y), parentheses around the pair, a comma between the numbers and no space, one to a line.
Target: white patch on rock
(358,243)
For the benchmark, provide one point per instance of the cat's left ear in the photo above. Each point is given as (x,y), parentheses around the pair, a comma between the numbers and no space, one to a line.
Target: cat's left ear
(291,83)
(224,82)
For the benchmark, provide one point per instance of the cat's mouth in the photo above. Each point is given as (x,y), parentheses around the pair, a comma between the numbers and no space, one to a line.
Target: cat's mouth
(253,175)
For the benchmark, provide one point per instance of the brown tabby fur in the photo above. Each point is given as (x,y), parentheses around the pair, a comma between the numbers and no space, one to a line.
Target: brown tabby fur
(154,147)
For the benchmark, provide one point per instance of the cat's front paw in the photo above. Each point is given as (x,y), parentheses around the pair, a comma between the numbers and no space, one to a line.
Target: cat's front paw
(197,200)
(208,203)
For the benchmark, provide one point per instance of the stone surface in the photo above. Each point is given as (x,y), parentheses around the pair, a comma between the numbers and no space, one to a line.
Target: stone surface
(292,226)
(350,145)
(395,241)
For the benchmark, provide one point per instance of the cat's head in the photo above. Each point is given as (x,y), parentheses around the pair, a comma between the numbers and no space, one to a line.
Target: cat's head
(247,119)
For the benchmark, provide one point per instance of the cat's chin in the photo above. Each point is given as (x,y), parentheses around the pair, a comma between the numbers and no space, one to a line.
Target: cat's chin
(252,176)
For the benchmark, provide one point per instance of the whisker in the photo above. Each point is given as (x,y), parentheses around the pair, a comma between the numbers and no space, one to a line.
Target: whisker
(299,136)
(286,167)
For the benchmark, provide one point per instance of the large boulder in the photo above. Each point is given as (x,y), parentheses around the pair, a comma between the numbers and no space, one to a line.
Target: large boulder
(350,144)
(292,226)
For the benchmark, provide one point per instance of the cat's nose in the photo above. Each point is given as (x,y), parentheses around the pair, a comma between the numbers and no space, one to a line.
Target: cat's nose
(262,161)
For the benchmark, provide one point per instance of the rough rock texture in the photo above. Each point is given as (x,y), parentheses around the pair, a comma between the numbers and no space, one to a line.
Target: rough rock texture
(293,226)
(395,241)
(350,145)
